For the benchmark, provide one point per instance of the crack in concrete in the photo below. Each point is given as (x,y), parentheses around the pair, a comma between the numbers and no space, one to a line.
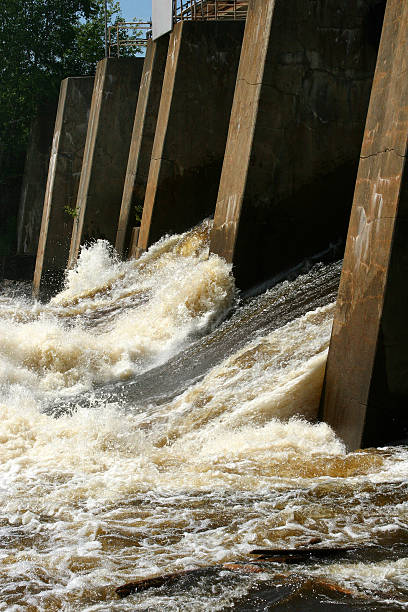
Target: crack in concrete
(387,150)
(251,84)
(165,159)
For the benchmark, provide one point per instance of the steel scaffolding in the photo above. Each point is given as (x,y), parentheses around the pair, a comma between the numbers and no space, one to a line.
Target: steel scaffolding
(209,10)
(124,35)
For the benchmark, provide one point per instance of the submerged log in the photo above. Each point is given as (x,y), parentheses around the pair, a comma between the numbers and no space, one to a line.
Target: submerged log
(143,584)
(336,588)
(246,568)
(149,583)
(299,555)
(291,555)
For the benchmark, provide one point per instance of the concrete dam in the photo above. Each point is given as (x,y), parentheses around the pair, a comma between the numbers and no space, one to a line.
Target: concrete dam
(209,361)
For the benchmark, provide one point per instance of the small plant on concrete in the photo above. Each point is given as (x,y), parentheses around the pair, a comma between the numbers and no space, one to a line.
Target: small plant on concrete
(138,213)
(72,212)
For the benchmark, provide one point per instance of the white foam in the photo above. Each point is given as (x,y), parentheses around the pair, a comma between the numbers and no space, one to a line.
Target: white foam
(117,318)
(101,496)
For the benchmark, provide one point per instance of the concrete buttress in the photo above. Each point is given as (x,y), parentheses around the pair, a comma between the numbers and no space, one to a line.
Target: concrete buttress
(35,178)
(141,145)
(106,151)
(192,127)
(295,133)
(366,389)
(63,180)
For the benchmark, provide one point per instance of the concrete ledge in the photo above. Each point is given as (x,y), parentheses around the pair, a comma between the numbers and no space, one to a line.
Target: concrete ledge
(191,128)
(35,179)
(366,387)
(133,248)
(17,267)
(141,146)
(295,133)
(63,179)
(106,151)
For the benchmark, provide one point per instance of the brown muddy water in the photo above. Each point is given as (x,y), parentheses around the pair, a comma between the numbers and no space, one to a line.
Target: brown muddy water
(153,421)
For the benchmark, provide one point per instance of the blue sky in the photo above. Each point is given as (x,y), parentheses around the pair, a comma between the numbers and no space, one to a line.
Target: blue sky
(141,9)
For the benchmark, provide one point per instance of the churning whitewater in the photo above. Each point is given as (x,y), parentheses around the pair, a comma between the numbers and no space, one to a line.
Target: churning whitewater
(152,420)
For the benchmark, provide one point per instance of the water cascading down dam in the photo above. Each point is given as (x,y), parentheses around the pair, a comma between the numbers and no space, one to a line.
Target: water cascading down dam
(162,413)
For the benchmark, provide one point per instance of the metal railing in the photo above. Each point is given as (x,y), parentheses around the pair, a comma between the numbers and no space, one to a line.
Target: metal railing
(209,10)
(135,34)
(125,35)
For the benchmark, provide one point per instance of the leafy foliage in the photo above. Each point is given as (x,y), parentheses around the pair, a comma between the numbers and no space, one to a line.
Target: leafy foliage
(72,212)
(138,213)
(41,43)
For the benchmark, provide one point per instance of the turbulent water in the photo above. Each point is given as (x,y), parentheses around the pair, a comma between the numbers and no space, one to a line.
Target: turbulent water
(152,421)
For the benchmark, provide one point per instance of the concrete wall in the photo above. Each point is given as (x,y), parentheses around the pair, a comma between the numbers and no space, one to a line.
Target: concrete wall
(63,180)
(366,389)
(192,127)
(35,179)
(133,248)
(295,133)
(106,151)
(144,128)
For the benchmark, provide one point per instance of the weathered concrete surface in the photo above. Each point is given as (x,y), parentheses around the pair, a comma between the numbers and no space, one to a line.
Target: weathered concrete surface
(106,151)
(17,267)
(133,248)
(295,133)
(63,179)
(35,179)
(366,389)
(192,126)
(144,128)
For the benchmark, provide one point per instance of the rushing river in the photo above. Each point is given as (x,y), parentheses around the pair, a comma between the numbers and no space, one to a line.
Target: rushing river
(153,420)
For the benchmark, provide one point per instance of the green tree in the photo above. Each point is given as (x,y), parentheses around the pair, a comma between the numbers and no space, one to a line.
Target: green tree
(90,34)
(41,43)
